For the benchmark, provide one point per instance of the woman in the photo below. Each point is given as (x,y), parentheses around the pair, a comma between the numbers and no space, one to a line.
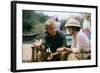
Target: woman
(80,42)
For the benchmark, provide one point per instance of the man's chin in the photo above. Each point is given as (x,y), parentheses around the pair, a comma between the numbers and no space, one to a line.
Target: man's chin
(53,34)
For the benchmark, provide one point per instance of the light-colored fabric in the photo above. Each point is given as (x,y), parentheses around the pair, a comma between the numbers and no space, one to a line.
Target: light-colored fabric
(87,28)
(78,56)
(86,24)
(58,25)
(79,42)
(72,57)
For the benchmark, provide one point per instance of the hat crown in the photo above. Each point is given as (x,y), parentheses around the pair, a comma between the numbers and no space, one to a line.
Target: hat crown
(73,22)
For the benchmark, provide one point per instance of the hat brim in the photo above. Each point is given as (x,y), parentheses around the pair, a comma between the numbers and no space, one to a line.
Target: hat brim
(71,25)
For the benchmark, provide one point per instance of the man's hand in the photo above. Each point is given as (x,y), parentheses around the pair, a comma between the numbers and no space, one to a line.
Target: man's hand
(38,44)
(51,56)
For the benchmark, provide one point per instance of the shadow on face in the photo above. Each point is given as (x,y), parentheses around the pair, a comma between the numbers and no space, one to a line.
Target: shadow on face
(52,30)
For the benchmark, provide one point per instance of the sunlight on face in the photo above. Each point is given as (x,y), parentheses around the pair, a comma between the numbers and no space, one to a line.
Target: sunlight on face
(52,30)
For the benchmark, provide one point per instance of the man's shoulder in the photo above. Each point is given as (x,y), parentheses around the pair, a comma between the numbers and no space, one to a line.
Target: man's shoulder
(60,33)
(46,35)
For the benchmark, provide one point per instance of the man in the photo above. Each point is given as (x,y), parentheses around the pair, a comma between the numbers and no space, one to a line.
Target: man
(52,39)
(80,42)
(57,23)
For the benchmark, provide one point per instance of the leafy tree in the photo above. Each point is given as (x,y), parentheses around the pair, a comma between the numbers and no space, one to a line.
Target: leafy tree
(32,21)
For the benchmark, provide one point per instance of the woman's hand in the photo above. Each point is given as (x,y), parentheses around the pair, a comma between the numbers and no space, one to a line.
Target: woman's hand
(61,49)
(67,50)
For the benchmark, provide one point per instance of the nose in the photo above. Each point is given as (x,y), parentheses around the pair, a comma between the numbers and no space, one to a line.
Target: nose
(68,29)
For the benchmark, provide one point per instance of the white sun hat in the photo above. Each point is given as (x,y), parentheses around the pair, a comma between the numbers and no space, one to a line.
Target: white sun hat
(72,22)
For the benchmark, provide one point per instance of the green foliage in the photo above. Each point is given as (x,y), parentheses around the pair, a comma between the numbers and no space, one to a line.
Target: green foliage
(32,20)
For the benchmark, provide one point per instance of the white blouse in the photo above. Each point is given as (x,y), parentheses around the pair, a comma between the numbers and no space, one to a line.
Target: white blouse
(79,42)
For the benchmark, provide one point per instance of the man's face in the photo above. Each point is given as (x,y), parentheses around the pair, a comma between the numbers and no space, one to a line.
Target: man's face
(52,30)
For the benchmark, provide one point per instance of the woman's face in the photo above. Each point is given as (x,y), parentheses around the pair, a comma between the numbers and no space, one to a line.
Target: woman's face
(70,30)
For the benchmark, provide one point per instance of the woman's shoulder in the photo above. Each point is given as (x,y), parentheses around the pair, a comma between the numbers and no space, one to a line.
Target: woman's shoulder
(81,34)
